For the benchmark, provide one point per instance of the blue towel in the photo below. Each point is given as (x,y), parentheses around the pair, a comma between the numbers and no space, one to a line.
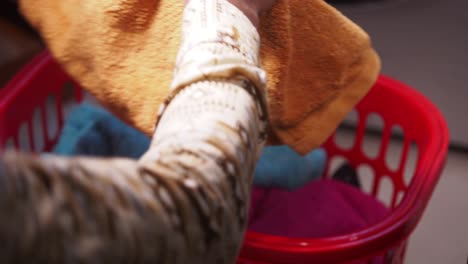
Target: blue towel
(91,130)
(282,167)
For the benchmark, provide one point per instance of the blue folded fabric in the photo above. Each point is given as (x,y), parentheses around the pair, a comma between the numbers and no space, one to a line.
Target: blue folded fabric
(91,130)
(282,167)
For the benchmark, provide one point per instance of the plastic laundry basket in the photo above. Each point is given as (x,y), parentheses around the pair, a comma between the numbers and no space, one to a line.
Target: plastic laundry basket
(23,113)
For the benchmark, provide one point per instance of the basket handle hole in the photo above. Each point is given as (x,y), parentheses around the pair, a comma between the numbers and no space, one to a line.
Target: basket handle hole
(345,136)
(385,191)
(38,130)
(335,163)
(366,177)
(23,137)
(51,116)
(395,148)
(399,198)
(352,118)
(372,143)
(410,163)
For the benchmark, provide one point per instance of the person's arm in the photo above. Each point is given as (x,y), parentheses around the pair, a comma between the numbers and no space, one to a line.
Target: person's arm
(251,8)
(186,200)
(213,129)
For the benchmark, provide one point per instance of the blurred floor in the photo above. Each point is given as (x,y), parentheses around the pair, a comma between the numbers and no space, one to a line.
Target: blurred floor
(442,235)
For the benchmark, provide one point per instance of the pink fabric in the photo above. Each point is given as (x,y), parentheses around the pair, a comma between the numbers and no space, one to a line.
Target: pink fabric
(320,209)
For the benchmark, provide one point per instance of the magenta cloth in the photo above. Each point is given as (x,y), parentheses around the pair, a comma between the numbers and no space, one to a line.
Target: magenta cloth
(322,208)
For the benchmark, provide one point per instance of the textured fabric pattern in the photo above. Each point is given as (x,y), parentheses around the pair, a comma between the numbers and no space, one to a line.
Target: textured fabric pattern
(92,131)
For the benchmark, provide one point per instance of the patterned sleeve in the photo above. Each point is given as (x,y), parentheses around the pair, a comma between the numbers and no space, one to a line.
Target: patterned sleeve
(185,201)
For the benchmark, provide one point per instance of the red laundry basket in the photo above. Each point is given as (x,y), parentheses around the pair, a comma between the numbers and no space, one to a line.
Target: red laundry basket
(23,101)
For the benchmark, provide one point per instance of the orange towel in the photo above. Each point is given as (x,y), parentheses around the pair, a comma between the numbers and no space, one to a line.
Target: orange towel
(319,64)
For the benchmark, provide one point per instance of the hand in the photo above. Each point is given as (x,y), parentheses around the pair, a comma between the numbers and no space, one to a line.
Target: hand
(261,5)
(251,8)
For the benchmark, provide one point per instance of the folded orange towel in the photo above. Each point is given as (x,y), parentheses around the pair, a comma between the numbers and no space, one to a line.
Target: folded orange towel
(319,64)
